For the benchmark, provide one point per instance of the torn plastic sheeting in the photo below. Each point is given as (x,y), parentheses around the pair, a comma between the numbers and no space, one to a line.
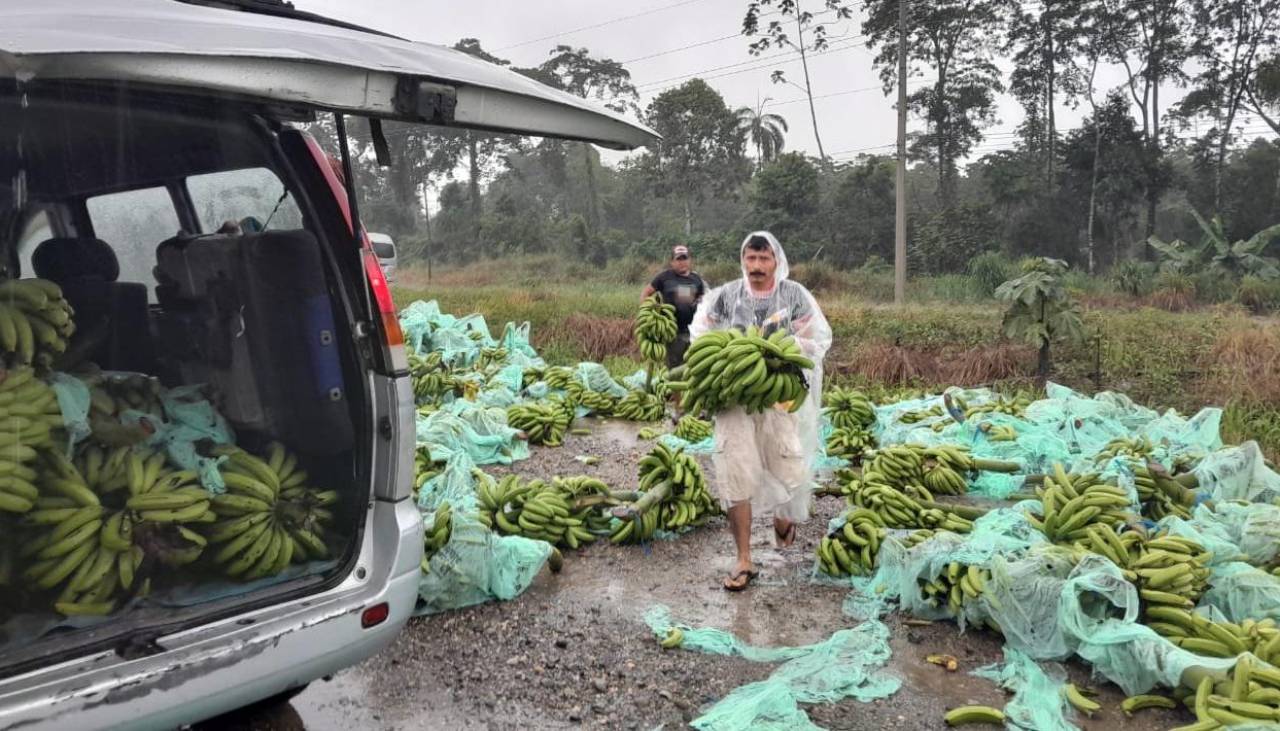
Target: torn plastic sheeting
(1037,703)
(596,377)
(846,665)
(1241,592)
(1238,473)
(189,420)
(706,446)
(74,403)
(475,429)
(478,565)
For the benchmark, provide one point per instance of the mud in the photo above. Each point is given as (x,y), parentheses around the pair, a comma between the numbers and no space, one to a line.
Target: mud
(573,652)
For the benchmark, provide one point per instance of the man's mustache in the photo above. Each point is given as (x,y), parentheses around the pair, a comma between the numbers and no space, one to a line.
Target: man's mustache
(755,274)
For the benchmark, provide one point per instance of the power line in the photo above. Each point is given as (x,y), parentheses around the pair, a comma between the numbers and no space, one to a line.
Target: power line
(601,24)
(757,63)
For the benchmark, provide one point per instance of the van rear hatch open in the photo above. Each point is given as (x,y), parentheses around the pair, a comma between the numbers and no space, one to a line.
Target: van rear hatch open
(190,415)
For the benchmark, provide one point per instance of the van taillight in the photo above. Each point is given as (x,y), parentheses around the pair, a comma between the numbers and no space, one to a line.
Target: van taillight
(382,295)
(375,615)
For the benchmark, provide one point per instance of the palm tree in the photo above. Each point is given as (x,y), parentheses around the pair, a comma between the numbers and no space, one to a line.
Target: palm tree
(764,130)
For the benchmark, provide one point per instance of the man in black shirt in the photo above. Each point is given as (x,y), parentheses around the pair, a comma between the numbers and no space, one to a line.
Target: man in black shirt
(680,286)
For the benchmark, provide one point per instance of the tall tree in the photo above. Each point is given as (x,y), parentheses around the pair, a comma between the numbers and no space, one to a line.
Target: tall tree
(765,131)
(1108,167)
(956,40)
(478,151)
(701,151)
(777,34)
(1264,93)
(1229,38)
(785,196)
(1150,43)
(1042,44)
(601,79)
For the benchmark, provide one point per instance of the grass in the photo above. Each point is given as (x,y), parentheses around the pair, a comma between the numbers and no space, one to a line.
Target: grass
(949,335)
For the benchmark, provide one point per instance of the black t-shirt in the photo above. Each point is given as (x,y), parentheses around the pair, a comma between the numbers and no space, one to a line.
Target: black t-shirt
(680,290)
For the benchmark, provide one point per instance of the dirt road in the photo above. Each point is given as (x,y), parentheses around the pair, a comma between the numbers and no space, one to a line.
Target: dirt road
(573,652)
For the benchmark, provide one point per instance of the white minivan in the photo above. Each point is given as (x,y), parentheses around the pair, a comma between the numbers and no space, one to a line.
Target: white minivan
(232,332)
(385,249)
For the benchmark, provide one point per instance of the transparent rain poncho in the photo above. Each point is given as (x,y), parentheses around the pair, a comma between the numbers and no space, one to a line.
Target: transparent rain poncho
(788,306)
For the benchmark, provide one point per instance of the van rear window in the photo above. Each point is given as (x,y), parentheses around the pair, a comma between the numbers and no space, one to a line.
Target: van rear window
(133,223)
(233,195)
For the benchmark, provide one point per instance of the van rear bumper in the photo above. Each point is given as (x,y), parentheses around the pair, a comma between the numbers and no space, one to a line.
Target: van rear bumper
(218,667)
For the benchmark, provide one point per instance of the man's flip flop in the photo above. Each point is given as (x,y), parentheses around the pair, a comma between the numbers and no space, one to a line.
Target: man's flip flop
(751,576)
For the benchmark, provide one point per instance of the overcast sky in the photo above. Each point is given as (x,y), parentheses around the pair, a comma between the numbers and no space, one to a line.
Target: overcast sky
(853,115)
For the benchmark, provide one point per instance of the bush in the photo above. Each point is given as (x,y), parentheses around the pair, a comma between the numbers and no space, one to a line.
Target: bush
(1213,286)
(1258,295)
(818,276)
(1174,292)
(951,238)
(990,269)
(1134,278)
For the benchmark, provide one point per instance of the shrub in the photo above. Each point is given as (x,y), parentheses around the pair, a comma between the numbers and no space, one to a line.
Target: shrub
(1213,286)
(1174,292)
(990,269)
(818,276)
(1258,295)
(1134,278)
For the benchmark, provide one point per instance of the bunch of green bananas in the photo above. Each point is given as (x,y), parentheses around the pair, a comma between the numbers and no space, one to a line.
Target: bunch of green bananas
(1121,548)
(899,510)
(655,326)
(1137,447)
(728,368)
(601,404)
(968,715)
(1197,633)
(491,357)
(851,550)
(915,417)
(559,377)
(432,386)
(543,512)
(424,467)
(1249,696)
(436,535)
(899,464)
(110,395)
(269,516)
(850,442)
(1071,505)
(648,433)
(674,496)
(656,381)
(1171,571)
(35,321)
(1016,406)
(692,429)
(640,406)
(941,479)
(1000,432)
(28,415)
(544,422)
(1162,495)
(955,586)
(531,375)
(849,409)
(101,515)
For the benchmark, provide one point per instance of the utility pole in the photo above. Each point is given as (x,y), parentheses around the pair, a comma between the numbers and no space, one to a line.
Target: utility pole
(900,235)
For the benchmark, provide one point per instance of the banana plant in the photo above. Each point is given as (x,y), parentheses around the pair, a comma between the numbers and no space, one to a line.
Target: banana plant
(1237,259)
(1040,310)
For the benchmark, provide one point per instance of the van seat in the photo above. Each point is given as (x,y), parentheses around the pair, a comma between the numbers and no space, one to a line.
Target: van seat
(112,326)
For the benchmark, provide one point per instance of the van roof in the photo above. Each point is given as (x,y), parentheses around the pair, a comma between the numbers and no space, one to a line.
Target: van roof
(292,61)
(380,238)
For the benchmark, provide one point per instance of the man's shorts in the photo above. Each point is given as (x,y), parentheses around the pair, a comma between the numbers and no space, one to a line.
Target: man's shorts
(676,348)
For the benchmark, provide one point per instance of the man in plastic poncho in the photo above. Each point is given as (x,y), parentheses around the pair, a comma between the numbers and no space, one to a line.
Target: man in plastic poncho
(764,461)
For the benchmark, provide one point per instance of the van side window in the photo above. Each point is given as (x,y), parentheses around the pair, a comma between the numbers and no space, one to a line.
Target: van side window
(233,195)
(133,223)
(37,230)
